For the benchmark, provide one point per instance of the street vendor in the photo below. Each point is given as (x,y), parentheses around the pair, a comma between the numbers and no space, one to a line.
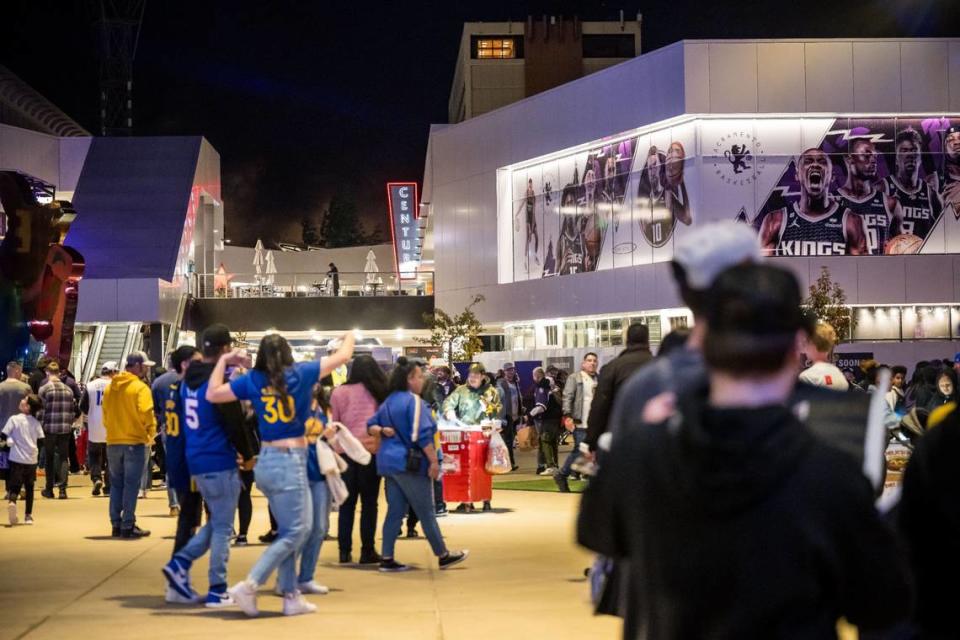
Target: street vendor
(472,403)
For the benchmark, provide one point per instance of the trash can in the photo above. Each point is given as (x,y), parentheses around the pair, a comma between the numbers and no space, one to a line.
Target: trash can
(464,457)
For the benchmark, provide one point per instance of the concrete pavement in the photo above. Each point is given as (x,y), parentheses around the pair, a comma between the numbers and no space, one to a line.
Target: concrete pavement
(64,577)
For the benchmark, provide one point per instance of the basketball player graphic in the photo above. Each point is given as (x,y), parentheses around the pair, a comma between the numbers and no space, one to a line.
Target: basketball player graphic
(918,198)
(949,176)
(571,248)
(881,213)
(816,225)
(661,195)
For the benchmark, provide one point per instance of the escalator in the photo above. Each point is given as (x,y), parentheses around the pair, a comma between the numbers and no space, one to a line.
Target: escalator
(111,342)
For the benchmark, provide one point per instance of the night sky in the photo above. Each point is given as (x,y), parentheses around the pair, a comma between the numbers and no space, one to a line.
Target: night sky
(307,99)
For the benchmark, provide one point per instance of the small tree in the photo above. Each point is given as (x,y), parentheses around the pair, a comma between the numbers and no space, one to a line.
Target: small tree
(458,336)
(308,232)
(828,301)
(341,225)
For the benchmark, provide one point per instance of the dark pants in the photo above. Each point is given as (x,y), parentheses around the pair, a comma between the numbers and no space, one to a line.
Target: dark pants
(579,435)
(189,518)
(510,436)
(21,476)
(363,483)
(56,470)
(549,436)
(245,502)
(97,452)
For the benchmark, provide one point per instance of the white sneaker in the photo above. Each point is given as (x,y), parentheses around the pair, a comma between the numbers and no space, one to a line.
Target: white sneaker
(245,595)
(143,494)
(313,588)
(12,513)
(549,471)
(173,597)
(295,604)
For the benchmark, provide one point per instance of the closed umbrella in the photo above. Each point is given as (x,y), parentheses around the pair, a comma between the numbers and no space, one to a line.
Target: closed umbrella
(271,269)
(371,269)
(258,260)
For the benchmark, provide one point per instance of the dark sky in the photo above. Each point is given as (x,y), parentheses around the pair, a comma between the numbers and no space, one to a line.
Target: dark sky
(304,99)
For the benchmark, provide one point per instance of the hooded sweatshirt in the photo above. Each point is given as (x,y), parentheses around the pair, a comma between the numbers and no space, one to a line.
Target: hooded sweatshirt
(215,433)
(128,411)
(738,523)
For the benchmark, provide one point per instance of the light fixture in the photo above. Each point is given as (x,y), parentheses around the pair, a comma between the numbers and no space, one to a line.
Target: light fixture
(399,333)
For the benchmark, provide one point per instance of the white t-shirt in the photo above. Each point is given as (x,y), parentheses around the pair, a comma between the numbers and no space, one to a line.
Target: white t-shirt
(824,374)
(22,433)
(589,386)
(96,432)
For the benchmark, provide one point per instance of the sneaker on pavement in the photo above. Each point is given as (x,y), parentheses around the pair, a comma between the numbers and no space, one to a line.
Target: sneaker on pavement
(143,494)
(28,519)
(174,512)
(173,597)
(63,493)
(97,487)
(452,559)
(346,558)
(106,491)
(132,534)
(486,506)
(313,588)
(245,595)
(412,533)
(12,513)
(177,573)
(392,566)
(240,541)
(441,512)
(115,532)
(294,604)
(549,471)
(268,537)
(47,493)
(562,483)
(218,600)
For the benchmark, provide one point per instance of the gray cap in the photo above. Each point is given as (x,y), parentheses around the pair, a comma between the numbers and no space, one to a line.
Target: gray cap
(709,249)
(110,366)
(139,357)
(508,365)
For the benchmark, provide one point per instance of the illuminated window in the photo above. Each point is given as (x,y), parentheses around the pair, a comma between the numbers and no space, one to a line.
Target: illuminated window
(496,47)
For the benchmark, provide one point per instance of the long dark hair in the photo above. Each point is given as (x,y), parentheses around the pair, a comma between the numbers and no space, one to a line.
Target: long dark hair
(273,357)
(401,371)
(366,371)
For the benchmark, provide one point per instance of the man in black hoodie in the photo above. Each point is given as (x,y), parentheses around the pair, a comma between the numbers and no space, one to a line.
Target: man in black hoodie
(736,520)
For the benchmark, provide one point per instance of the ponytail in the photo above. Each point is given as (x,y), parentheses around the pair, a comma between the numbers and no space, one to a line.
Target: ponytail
(273,358)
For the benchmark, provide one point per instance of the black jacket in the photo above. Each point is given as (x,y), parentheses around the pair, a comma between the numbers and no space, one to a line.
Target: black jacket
(741,524)
(612,376)
(231,413)
(929,518)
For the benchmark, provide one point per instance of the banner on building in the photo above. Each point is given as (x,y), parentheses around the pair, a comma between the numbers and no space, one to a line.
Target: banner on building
(808,186)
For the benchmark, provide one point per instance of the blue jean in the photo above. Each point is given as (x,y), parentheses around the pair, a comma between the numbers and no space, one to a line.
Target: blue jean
(411,490)
(125,462)
(321,522)
(281,475)
(579,435)
(220,491)
(146,480)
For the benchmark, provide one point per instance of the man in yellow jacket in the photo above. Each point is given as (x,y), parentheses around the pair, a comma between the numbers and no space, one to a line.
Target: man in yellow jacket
(131,426)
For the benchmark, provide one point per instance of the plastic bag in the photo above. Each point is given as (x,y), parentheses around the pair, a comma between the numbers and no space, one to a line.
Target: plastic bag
(498,456)
(527,438)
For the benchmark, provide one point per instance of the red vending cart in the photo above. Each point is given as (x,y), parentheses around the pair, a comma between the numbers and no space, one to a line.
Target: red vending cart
(464,456)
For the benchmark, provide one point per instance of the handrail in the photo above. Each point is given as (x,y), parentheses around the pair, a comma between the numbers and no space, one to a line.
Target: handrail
(311,284)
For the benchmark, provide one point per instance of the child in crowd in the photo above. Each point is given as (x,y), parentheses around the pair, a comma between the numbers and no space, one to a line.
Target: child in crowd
(22,431)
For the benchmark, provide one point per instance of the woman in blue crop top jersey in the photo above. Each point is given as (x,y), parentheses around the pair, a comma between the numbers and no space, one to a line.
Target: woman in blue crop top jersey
(281,393)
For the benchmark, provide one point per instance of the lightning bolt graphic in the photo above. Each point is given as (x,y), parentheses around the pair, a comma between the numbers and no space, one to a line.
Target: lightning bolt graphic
(850,134)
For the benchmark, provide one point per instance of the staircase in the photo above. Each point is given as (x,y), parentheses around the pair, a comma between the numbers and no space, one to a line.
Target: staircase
(111,342)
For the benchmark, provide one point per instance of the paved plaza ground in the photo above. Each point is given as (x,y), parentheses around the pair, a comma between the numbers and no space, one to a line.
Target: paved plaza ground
(65,578)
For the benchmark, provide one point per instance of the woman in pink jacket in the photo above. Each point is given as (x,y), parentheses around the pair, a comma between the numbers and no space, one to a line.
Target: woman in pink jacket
(353,404)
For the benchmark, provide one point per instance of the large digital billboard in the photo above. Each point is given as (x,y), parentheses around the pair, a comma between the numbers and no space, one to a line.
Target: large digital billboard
(867,186)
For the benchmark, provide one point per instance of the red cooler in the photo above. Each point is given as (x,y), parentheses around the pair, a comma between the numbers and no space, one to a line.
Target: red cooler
(464,456)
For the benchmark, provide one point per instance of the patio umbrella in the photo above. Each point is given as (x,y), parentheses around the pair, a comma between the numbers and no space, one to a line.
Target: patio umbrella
(258,261)
(271,267)
(371,269)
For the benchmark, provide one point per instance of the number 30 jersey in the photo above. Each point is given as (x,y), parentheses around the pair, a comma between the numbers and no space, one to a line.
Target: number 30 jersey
(175,442)
(280,415)
(209,448)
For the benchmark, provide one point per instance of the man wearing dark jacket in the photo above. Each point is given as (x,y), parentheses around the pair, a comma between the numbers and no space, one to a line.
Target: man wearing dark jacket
(216,437)
(612,376)
(736,520)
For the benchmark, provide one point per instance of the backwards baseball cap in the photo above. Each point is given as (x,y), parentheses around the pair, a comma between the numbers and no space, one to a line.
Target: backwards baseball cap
(508,365)
(477,367)
(215,336)
(704,252)
(110,366)
(139,357)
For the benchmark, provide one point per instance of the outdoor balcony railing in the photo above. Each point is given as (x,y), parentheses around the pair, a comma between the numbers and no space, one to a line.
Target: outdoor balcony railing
(310,285)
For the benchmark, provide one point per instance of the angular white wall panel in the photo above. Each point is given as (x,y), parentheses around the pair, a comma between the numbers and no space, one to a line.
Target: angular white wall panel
(924,79)
(876,77)
(733,77)
(779,70)
(829,76)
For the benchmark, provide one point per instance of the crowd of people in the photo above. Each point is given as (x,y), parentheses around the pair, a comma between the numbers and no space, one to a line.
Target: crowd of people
(217,424)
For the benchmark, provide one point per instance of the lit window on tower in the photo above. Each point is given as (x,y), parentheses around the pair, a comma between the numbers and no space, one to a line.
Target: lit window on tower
(500,48)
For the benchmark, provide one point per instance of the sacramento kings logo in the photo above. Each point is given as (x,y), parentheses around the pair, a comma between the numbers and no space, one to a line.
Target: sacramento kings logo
(738,158)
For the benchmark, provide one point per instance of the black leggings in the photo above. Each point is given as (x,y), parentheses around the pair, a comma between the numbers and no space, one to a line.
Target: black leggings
(13,492)
(245,502)
(189,519)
